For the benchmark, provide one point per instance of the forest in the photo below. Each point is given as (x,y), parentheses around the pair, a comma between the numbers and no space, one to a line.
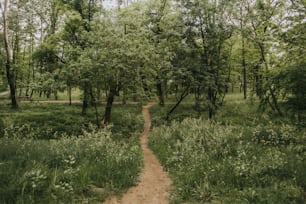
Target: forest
(224,80)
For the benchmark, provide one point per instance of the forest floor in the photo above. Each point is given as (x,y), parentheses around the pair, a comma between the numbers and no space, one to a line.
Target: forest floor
(154,183)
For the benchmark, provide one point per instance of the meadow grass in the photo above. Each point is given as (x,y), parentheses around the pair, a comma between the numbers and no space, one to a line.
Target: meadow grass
(52,154)
(243,156)
(49,121)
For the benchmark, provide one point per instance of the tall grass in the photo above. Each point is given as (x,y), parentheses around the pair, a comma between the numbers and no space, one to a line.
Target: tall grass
(66,170)
(220,162)
(53,154)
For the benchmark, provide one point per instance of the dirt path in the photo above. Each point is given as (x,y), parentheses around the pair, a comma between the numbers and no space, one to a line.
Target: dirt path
(4,93)
(154,182)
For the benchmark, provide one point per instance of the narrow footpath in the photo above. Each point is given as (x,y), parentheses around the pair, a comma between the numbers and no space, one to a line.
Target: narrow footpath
(154,183)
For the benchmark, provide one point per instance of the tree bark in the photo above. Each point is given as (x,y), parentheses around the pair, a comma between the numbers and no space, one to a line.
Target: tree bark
(86,97)
(109,105)
(9,56)
(243,56)
(183,95)
(160,91)
(274,98)
(69,94)
(94,101)
(211,103)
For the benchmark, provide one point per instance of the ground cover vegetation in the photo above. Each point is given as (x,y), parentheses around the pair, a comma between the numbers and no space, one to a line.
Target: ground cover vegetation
(245,157)
(50,156)
(189,56)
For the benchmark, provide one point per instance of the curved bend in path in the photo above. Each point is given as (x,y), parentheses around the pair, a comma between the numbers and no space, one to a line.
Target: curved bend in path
(154,182)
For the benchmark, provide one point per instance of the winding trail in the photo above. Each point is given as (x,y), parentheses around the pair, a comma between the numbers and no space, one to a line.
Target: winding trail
(154,183)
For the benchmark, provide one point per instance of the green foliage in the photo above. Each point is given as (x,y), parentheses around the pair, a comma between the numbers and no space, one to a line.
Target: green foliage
(210,162)
(271,135)
(125,122)
(67,170)
(47,121)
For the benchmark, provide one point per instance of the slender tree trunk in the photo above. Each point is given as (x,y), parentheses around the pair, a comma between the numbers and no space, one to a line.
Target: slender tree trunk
(145,86)
(182,97)
(210,106)
(69,95)
(55,95)
(94,101)
(124,97)
(11,81)
(160,91)
(85,103)
(243,54)
(275,102)
(109,105)
(9,56)
(85,97)
(274,98)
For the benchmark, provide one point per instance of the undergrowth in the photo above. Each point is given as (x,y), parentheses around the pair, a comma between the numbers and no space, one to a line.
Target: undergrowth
(243,158)
(53,154)
(50,121)
(66,170)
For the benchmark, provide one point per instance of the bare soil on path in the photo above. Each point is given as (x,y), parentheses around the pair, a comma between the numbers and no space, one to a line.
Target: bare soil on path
(154,183)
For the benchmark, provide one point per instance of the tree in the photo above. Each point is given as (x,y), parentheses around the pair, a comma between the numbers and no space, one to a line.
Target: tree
(122,53)
(262,15)
(291,76)
(207,31)
(77,27)
(9,54)
(158,18)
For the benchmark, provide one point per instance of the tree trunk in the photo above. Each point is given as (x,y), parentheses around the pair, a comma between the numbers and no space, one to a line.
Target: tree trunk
(69,95)
(11,81)
(243,55)
(160,91)
(9,56)
(85,103)
(55,95)
(85,98)
(94,101)
(183,95)
(124,97)
(145,86)
(109,105)
(244,70)
(210,105)
(275,102)
(274,98)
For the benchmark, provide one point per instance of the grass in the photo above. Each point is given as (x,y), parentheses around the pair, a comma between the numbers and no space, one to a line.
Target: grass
(46,121)
(52,154)
(68,169)
(241,157)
